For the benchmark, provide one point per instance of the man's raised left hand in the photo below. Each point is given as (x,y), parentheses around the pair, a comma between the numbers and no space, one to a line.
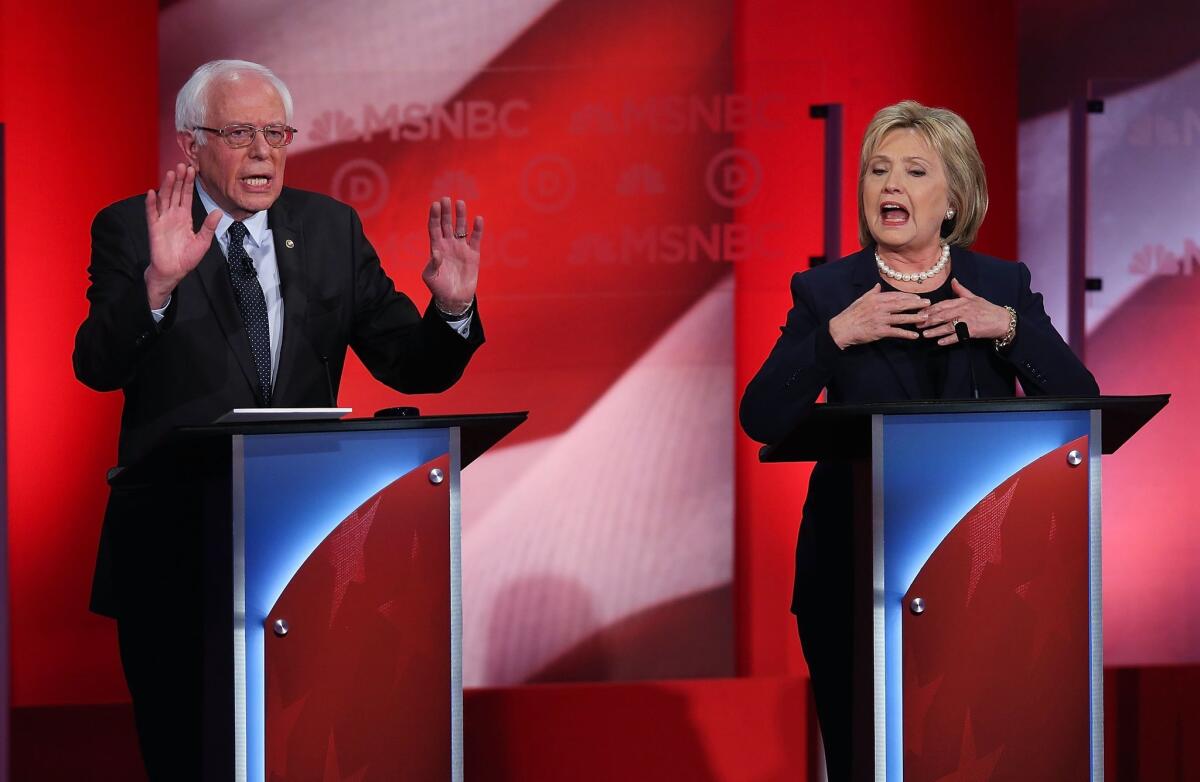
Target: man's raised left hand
(453,269)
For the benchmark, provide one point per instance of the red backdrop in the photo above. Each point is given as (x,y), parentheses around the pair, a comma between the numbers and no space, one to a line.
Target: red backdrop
(80,107)
(82,113)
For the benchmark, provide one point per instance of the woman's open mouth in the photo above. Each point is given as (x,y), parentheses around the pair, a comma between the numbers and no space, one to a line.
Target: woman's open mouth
(893,213)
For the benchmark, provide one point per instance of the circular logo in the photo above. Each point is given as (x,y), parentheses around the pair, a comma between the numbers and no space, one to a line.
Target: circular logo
(734,177)
(548,183)
(363,184)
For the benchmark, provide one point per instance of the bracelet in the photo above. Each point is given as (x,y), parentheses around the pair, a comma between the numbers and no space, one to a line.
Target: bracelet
(1011,334)
(450,316)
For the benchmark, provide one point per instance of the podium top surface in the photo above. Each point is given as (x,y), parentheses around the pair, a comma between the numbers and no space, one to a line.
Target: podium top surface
(833,431)
(479,432)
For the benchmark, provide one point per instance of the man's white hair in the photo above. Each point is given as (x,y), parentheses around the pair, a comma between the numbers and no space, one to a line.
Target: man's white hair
(191,104)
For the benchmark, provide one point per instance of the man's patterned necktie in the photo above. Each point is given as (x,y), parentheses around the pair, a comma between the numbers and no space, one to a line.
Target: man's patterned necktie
(253,306)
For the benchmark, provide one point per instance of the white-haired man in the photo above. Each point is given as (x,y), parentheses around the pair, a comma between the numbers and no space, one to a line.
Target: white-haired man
(224,289)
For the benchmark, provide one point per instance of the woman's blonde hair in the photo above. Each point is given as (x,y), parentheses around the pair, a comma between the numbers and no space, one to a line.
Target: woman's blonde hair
(952,139)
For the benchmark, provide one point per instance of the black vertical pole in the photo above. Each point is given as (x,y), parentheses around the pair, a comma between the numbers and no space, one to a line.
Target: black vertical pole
(832,114)
(1077,182)
(1077,208)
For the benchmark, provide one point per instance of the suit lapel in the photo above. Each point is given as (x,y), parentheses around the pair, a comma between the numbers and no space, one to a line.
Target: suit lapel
(956,384)
(864,277)
(213,272)
(288,236)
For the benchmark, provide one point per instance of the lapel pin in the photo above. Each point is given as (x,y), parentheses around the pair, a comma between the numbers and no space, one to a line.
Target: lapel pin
(288,243)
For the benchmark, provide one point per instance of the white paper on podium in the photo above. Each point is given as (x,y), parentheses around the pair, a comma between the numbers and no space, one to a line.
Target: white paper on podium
(260,414)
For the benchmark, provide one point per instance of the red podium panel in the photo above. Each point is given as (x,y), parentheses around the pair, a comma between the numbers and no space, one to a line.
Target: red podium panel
(996,665)
(358,685)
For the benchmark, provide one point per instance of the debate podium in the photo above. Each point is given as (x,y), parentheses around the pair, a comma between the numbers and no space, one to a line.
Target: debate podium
(332,615)
(978,645)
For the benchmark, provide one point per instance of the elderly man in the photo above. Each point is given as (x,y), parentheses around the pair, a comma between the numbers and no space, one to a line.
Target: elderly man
(221,290)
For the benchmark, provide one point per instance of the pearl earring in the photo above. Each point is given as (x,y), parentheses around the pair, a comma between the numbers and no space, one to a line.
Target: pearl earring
(949,214)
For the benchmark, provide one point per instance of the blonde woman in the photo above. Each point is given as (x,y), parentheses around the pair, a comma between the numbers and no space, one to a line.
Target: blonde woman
(880,325)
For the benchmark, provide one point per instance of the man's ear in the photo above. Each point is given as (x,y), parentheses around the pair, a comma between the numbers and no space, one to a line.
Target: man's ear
(189,146)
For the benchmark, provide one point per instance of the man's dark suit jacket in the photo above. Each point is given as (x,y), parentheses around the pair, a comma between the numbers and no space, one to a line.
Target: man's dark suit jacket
(196,364)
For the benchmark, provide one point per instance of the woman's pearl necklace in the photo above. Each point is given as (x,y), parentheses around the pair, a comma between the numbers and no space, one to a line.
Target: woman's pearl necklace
(932,271)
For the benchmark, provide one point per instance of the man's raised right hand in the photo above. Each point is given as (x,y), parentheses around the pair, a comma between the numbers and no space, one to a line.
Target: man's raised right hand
(175,249)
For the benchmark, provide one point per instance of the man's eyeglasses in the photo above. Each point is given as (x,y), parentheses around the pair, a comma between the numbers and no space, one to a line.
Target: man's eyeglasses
(241,135)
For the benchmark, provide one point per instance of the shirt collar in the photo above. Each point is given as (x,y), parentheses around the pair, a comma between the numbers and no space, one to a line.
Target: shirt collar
(256,224)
